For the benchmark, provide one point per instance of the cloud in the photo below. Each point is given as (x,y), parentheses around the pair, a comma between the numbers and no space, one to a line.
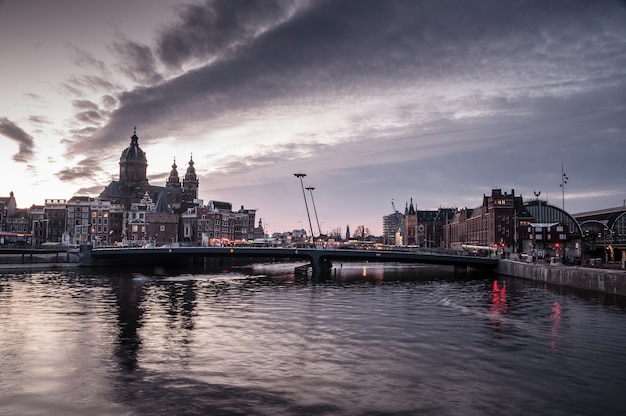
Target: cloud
(90,190)
(88,61)
(86,169)
(26,142)
(40,120)
(108,102)
(206,31)
(137,62)
(84,105)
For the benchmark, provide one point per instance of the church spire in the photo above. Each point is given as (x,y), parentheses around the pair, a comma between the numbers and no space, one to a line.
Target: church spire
(190,182)
(173,181)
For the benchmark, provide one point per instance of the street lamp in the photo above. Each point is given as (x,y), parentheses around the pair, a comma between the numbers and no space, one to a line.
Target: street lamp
(310,189)
(564,179)
(302,175)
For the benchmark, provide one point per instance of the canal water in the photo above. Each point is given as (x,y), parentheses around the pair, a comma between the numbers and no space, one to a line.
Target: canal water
(375,340)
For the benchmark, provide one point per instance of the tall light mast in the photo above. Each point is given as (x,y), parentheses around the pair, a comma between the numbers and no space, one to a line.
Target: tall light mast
(310,189)
(302,175)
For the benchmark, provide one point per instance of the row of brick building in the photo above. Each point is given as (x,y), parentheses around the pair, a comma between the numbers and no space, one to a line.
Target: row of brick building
(131,211)
(502,223)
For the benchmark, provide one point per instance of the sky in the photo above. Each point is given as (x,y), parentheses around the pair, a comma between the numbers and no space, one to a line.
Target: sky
(377,102)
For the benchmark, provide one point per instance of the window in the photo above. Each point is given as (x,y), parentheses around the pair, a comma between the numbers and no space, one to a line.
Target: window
(162,228)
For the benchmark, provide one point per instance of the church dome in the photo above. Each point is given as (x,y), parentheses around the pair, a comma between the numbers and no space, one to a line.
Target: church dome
(133,164)
(133,152)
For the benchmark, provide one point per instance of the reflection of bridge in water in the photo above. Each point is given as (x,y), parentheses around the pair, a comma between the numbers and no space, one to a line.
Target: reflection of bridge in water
(320,260)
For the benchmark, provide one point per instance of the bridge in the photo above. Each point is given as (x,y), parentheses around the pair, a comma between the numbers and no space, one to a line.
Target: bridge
(320,260)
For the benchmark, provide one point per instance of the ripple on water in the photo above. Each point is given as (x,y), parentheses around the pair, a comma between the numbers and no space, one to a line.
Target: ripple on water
(255,341)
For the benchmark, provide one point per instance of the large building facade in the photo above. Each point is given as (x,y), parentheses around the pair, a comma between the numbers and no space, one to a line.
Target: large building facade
(504,223)
(499,221)
(423,228)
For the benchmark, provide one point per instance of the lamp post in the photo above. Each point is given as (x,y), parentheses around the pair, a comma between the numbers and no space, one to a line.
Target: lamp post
(302,175)
(310,189)
(32,234)
(564,179)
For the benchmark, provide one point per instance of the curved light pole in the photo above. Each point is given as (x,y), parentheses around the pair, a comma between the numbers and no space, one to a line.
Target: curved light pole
(310,189)
(302,175)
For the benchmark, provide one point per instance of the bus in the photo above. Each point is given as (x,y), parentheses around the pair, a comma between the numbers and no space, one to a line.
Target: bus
(8,239)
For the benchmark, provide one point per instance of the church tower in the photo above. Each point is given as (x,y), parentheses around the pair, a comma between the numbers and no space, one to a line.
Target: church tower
(173,181)
(190,183)
(133,165)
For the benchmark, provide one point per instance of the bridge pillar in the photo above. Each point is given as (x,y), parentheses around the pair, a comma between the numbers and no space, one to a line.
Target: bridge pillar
(321,266)
(85,258)
(460,270)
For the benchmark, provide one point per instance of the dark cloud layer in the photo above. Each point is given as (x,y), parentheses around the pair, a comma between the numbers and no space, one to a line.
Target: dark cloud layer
(137,62)
(343,47)
(214,28)
(26,143)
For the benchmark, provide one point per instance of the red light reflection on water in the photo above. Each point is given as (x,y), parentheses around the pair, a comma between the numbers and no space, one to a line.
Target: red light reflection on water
(556,322)
(498,299)
(499,306)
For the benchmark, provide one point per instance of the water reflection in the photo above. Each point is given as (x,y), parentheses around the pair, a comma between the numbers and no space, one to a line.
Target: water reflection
(129,293)
(498,301)
(556,321)
(256,341)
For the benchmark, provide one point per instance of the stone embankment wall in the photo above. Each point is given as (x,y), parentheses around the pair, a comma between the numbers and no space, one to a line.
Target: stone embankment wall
(597,280)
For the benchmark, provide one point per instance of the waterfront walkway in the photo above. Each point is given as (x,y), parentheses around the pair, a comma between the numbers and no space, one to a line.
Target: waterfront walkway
(612,281)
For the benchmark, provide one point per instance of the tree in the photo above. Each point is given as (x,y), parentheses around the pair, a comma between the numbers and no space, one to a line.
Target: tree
(362,232)
(335,233)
